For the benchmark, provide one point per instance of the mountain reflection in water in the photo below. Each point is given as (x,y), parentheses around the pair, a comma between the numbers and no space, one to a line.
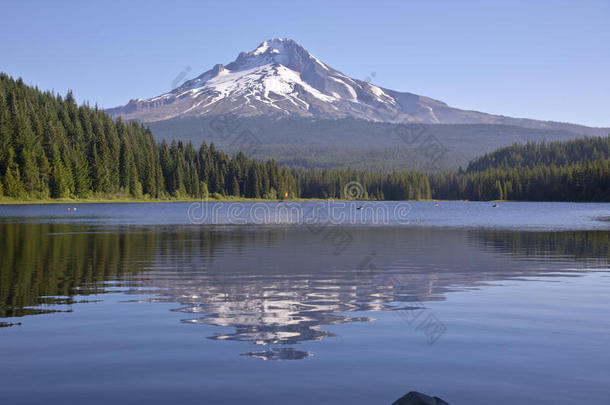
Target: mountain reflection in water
(278,286)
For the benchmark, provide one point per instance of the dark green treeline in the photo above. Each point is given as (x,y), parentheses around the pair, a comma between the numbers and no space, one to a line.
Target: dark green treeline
(578,151)
(577,170)
(52,148)
(45,265)
(588,246)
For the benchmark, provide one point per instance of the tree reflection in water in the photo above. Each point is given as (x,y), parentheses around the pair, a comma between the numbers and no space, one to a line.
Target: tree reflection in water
(273,287)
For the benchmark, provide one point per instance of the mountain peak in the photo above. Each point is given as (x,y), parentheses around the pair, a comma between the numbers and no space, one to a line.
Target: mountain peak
(275,45)
(280,78)
(279,51)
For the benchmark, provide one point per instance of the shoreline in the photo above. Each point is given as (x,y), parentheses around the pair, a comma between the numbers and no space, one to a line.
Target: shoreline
(233,199)
(141,200)
(8,201)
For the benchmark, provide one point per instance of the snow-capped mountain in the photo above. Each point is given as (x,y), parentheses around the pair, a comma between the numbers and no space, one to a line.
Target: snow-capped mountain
(281,78)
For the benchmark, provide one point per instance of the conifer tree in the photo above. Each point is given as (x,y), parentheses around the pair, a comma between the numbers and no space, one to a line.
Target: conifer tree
(50,146)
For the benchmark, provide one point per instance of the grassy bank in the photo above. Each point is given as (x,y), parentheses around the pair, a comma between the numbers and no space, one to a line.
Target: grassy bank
(101,200)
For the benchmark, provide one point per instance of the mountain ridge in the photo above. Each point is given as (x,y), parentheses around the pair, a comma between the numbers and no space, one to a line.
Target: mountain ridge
(280,78)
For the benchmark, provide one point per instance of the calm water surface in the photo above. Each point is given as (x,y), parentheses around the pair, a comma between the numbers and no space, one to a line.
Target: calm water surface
(340,303)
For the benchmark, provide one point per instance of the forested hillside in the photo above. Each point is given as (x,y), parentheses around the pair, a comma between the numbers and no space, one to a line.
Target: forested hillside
(582,182)
(544,154)
(52,148)
(376,146)
(577,170)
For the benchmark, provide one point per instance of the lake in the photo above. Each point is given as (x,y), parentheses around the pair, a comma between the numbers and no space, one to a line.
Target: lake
(304,302)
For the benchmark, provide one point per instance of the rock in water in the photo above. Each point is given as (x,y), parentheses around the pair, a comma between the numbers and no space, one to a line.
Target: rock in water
(417,398)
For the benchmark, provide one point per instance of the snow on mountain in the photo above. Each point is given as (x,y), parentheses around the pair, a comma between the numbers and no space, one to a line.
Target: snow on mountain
(281,78)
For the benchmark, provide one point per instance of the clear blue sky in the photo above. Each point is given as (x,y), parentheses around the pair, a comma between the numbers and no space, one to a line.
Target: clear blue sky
(539,59)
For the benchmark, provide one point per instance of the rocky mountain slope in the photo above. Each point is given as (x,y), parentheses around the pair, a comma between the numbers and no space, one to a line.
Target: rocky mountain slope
(280,78)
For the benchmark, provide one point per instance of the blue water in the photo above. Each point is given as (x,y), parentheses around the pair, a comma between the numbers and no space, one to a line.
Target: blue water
(144,303)
(507,215)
